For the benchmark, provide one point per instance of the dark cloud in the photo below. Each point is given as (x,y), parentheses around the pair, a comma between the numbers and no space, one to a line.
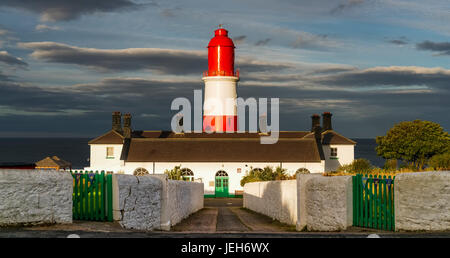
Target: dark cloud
(239,39)
(162,60)
(57,10)
(437,78)
(262,42)
(443,48)
(165,61)
(312,42)
(4,78)
(371,112)
(398,41)
(346,5)
(6,58)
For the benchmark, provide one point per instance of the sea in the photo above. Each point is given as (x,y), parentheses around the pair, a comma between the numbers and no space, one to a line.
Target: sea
(76,150)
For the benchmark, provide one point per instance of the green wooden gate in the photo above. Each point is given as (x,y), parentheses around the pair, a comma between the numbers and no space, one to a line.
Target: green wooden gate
(373,202)
(221,186)
(92,196)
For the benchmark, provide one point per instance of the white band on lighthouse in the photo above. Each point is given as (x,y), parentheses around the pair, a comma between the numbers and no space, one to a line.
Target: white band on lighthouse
(219,109)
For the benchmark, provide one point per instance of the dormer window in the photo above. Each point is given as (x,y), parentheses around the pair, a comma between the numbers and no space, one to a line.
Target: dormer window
(109,152)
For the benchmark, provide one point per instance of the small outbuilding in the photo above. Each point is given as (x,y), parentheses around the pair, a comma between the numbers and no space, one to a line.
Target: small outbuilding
(53,163)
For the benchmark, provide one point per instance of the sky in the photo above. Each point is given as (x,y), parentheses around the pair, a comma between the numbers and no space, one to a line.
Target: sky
(65,66)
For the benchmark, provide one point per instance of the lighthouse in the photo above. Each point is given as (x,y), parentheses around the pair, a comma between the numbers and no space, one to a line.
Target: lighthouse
(219,109)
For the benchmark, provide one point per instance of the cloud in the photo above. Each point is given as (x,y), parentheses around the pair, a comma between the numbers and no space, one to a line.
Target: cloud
(56,10)
(347,5)
(399,41)
(313,42)
(44,27)
(164,61)
(262,42)
(239,39)
(443,48)
(8,59)
(437,78)
(3,31)
(91,104)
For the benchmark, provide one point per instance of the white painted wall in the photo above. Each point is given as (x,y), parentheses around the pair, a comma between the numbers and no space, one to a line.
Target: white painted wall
(206,171)
(345,155)
(99,160)
(276,199)
(202,170)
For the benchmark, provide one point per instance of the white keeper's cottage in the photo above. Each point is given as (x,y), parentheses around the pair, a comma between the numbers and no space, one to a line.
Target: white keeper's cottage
(219,160)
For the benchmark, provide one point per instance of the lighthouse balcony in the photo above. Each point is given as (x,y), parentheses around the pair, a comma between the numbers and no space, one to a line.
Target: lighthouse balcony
(221,73)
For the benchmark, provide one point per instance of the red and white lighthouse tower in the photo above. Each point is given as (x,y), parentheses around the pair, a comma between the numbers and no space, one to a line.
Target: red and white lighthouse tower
(219,110)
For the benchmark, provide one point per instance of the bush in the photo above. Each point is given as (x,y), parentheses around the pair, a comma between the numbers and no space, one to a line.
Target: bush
(390,165)
(440,161)
(266,174)
(357,166)
(174,174)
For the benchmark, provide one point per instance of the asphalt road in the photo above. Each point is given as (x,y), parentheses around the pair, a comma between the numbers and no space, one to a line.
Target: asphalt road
(220,218)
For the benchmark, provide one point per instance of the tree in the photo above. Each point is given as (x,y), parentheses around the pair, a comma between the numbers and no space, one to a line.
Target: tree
(413,142)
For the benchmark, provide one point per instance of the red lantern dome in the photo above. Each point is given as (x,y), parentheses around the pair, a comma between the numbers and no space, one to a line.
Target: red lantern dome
(221,54)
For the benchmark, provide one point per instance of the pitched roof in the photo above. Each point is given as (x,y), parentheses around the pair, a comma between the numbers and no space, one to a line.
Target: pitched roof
(111,137)
(222,149)
(170,134)
(331,137)
(54,161)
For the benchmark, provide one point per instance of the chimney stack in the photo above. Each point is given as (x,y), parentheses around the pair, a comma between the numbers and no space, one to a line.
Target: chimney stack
(127,125)
(326,116)
(116,122)
(315,121)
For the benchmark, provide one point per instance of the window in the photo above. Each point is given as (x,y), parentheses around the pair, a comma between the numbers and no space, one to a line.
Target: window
(221,173)
(109,152)
(140,172)
(333,152)
(256,171)
(187,174)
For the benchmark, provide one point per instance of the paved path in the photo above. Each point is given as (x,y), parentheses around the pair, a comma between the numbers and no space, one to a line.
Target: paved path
(226,215)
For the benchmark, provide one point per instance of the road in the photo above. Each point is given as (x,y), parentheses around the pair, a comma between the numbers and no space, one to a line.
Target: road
(220,218)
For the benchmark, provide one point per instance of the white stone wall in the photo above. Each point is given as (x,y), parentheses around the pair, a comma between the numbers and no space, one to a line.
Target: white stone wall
(30,197)
(154,202)
(137,201)
(184,198)
(422,201)
(276,199)
(345,155)
(324,203)
(206,171)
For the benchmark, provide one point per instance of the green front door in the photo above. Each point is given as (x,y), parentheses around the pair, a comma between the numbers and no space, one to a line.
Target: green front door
(221,186)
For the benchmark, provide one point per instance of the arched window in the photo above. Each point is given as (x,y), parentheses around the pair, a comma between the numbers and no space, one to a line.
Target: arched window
(140,172)
(187,174)
(302,171)
(221,173)
(257,170)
